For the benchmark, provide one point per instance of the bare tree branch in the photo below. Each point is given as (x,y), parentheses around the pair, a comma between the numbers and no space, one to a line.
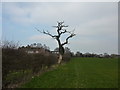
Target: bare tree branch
(64,31)
(70,36)
(38,30)
(60,25)
(60,29)
(47,33)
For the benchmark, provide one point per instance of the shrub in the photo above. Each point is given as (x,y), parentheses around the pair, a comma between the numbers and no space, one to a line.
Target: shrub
(18,65)
(15,63)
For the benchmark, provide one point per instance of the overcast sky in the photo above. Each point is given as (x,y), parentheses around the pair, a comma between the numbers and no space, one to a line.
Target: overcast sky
(95,24)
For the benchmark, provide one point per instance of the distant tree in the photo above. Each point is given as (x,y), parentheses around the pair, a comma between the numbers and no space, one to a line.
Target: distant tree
(87,54)
(28,46)
(39,45)
(114,55)
(60,31)
(78,54)
(46,47)
(106,55)
(67,50)
(33,45)
(10,44)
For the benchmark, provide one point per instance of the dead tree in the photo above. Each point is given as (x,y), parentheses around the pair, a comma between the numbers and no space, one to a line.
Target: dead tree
(60,30)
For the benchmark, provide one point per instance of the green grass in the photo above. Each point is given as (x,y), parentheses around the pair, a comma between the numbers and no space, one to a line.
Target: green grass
(79,73)
(15,77)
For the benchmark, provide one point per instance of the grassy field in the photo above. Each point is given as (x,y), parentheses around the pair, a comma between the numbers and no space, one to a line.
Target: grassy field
(79,73)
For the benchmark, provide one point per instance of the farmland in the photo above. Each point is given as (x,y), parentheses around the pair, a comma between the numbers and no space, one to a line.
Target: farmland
(79,73)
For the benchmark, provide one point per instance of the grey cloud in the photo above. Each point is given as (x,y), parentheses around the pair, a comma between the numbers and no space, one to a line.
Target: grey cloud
(95,23)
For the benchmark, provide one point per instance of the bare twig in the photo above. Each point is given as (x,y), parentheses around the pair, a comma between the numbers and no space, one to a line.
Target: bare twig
(38,30)
(46,32)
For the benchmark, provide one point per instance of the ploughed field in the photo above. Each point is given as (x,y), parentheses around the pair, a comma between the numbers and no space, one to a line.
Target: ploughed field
(79,73)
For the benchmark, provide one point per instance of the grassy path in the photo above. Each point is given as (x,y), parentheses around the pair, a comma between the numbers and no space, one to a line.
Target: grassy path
(79,73)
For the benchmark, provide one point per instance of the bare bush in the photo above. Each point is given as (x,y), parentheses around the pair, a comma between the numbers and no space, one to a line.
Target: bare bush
(15,60)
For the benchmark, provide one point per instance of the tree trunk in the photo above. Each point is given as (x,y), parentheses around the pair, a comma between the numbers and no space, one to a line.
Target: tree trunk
(60,58)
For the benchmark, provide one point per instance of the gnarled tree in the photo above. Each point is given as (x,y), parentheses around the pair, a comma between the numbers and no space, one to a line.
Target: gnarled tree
(60,30)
